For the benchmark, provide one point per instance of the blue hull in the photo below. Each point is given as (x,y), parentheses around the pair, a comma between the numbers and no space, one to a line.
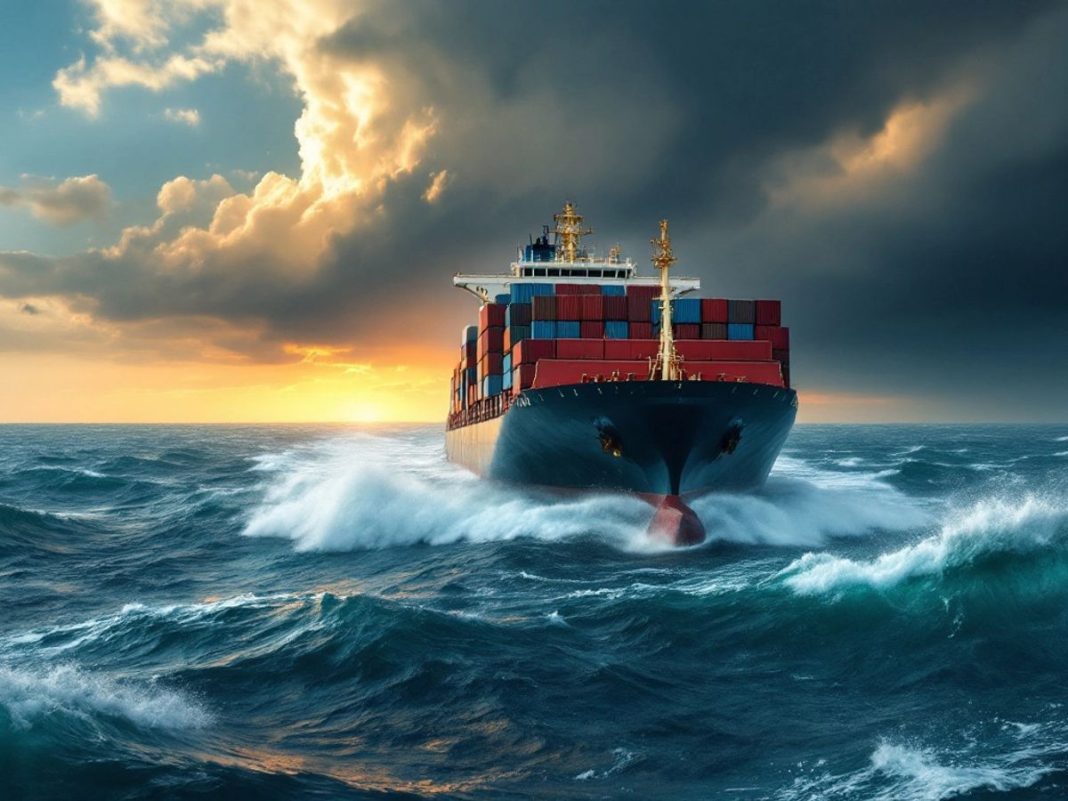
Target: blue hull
(655,437)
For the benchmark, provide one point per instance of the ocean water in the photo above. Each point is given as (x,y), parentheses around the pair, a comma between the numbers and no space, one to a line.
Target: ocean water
(334,612)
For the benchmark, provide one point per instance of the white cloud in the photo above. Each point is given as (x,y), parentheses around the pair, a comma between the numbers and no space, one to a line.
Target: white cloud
(183,116)
(65,203)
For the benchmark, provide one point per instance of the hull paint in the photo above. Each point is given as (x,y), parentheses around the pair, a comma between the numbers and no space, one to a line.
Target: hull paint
(648,437)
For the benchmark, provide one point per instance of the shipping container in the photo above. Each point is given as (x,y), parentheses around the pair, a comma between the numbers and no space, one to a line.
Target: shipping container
(543,308)
(781,356)
(769,312)
(470,334)
(468,354)
(616,329)
(491,364)
(640,330)
(567,329)
(740,330)
(490,341)
(491,315)
(686,310)
(686,331)
(502,299)
(591,329)
(643,348)
(778,336)
(570,289)
(638,309)
(615,307)
(642,291)
(523,376)
(492,386)
(568,307)
(506,364)
(517,314)
(580,349)
(746,350)
(613,289)
(741,311)
(530,350)
(592,307)
(506,381)
(514,335)
(525,293)
(714,310)
(713,330)
(542,329)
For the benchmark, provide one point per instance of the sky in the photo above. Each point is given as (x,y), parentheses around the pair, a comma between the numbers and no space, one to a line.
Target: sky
(251,210)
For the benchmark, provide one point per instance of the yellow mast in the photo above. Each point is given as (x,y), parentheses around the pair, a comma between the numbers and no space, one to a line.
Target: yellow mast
(663,258)
(569,229)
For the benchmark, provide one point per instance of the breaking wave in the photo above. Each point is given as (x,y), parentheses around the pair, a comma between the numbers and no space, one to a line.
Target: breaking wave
(29,695)
(988,528)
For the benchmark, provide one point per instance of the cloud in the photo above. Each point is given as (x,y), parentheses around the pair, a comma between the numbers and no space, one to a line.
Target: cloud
(183,116)
(438,182)
(65,203)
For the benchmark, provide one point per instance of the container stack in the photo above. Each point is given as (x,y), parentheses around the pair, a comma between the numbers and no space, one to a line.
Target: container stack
(541,335)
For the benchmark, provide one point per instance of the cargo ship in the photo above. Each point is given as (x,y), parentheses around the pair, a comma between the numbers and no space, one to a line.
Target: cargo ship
(582,374)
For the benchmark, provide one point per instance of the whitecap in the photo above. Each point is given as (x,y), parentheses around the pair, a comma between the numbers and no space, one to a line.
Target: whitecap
(31,694)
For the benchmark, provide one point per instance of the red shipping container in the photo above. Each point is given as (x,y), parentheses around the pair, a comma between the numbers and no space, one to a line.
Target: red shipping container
(490,341)
(615,307)
(617,349)
(491,364)
(713,330)
(778,336)
(543,308)
(580,349)
(472,394)
(769,312)
(470,354)
(491,315)
(639,310)
(782,356)
(519,314)
(523,376)
(750,372)
(591,329)
(558,372)
(569,307)
(641,330)
(714,310)
(592,307)
(645,292)
(530,350)
(570,289)
(686,330)
(705,350)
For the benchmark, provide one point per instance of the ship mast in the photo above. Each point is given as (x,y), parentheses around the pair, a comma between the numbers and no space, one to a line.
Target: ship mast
(663,258)
(569,230)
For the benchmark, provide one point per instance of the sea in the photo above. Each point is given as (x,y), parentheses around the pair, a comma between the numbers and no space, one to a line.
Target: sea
(320,612)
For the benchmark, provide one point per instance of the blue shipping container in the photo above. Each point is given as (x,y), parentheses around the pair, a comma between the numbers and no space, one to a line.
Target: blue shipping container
(740,331)
(506,380)
(492,385)
(503,299)
(616,329)
(686,310)
(613,289)
(506,363)
(543,329)
(567,329)
(470,334)
(524,293)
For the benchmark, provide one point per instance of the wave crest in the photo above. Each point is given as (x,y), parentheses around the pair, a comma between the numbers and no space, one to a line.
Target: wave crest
(989,527)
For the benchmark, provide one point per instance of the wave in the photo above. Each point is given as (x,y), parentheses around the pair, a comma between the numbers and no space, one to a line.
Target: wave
(900,772)
(351,494)
(989,527)
(29,695)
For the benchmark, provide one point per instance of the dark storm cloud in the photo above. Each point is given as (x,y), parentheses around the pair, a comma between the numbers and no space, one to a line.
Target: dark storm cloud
(928,282)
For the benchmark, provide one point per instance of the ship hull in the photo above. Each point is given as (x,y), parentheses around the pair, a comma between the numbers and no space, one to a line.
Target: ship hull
(655,438)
